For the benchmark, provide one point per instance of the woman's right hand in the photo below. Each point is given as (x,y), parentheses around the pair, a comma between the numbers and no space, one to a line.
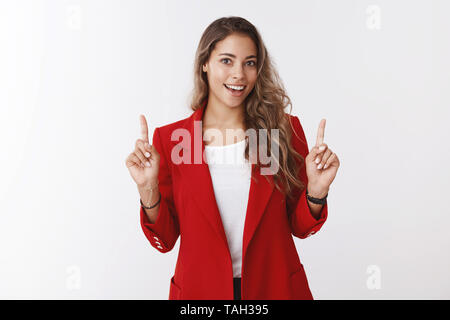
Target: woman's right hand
(143,162)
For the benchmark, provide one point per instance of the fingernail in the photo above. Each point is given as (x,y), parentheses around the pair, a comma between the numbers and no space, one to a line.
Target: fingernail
(321,148)
(147,154)
(325,166)
(319,166)
(317,160)
(147,164)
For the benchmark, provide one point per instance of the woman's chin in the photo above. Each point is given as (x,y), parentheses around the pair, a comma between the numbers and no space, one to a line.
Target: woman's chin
(234,102)
(234,105)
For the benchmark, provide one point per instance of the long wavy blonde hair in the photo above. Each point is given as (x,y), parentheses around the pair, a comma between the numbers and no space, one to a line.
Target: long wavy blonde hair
(264,105)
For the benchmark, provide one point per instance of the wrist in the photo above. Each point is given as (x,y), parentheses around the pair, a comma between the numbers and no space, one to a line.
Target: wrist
(150,195)
(148,186)
(317,192)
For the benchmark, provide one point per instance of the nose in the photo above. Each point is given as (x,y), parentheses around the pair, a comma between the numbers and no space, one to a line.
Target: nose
(238,72)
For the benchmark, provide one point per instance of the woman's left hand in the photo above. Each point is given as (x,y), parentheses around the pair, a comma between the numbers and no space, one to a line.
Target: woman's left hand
(321,165)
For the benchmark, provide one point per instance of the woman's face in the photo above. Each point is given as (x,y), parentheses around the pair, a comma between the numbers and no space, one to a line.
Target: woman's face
(232,62)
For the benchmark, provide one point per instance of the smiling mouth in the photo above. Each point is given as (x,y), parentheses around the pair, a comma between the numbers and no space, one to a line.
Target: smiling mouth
(226,86)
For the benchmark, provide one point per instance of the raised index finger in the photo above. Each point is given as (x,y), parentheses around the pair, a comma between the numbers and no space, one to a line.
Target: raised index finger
(320,132)
(144,128)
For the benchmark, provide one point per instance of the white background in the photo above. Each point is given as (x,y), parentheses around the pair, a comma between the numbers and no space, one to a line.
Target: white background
(75,75)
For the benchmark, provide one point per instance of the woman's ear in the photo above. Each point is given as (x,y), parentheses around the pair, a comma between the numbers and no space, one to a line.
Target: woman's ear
(204,68)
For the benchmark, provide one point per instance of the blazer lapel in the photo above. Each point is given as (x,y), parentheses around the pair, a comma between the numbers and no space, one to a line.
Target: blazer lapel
(259,194)
(200,183)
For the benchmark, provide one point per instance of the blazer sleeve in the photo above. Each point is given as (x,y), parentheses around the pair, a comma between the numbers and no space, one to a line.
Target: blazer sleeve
(303,224)
(164,232)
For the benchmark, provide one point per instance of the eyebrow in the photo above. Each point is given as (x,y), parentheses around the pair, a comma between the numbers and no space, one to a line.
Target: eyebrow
(233,56)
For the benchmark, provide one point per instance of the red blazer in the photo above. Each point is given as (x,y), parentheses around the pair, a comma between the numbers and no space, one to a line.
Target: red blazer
(271,268)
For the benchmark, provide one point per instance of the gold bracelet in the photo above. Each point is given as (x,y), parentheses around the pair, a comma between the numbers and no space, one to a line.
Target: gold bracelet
(157,202)
(151,192)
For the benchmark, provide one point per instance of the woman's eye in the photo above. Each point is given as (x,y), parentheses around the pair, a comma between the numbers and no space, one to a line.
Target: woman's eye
(252,63)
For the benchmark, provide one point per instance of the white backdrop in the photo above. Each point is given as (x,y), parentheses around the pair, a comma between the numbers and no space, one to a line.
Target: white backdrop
(75,75)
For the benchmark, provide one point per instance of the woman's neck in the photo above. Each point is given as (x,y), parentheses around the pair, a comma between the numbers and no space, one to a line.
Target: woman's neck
(220,116)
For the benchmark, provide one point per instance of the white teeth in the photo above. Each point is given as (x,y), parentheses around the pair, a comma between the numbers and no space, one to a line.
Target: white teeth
(235,87)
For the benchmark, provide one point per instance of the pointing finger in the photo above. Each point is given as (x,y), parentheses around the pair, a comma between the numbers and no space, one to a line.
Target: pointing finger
(320,132)
(144,128)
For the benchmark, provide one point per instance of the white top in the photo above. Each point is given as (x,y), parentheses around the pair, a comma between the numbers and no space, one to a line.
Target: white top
(231,174)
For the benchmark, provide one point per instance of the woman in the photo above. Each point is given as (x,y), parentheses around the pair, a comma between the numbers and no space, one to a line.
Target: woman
(236,222)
